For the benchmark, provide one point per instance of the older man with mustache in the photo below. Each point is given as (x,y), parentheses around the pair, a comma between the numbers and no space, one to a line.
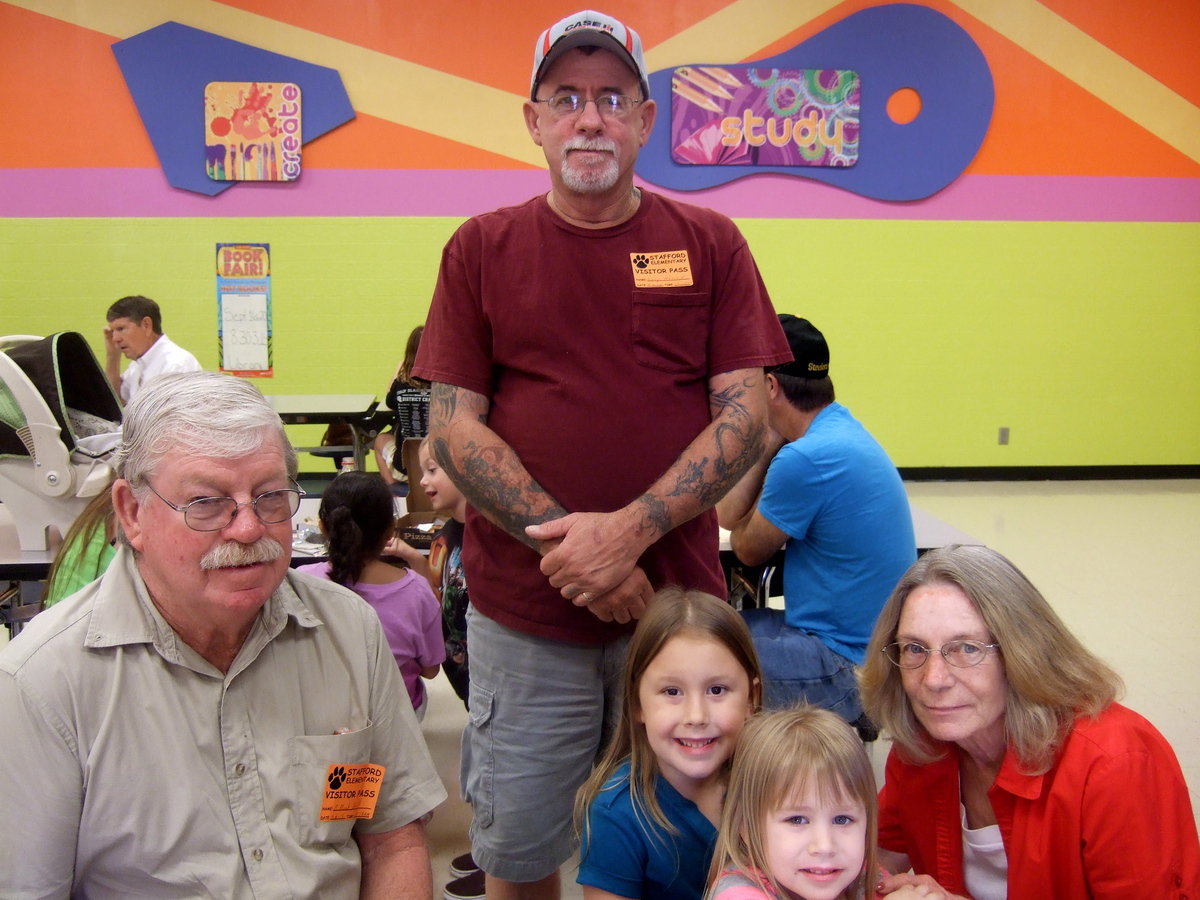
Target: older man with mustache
(597,362)
(200,720)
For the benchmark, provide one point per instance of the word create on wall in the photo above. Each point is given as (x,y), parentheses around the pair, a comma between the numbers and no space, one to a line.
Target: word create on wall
(252,131)
(244,309)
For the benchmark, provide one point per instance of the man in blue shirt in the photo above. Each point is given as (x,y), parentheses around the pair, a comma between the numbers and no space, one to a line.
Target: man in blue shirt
(832,498)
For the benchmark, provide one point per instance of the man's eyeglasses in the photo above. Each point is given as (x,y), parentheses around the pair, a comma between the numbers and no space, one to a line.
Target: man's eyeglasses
(961,654)
(609,105)
(215,513)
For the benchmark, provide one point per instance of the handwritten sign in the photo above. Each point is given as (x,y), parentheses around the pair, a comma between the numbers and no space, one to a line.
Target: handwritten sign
(244,309)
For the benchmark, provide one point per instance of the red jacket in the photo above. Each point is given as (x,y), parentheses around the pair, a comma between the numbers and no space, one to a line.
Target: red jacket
(1111,819)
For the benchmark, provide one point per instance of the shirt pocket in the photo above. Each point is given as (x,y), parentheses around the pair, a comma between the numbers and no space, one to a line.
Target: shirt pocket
(670,331)
(310,757)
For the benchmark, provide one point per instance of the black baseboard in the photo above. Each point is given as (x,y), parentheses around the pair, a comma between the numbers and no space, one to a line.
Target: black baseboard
(314,482)
(1046,473)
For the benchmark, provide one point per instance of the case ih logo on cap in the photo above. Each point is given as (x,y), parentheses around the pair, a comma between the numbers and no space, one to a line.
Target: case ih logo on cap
(588,23)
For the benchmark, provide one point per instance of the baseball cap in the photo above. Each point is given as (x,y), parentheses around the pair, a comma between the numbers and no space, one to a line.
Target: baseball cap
(808,347)
(589,29)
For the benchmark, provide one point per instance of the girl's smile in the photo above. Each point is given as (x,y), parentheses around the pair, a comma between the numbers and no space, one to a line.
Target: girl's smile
(693,699)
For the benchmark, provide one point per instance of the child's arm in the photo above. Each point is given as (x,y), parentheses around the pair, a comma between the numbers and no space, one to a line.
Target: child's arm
(433,649)
(413,558)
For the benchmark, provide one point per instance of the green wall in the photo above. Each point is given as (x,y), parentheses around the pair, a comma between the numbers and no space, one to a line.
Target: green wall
(1082,338)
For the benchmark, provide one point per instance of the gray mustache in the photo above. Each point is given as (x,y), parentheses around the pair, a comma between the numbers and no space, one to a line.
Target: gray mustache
(232,554)
(590,144)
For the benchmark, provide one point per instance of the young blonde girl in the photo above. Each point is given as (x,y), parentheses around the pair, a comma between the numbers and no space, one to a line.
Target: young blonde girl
(799,821)
(443,566)
(649,811)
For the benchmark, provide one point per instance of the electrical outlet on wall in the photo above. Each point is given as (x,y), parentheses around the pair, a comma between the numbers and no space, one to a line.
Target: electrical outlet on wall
(1003,435)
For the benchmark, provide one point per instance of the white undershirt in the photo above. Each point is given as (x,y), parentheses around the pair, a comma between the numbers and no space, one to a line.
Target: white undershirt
(985,865)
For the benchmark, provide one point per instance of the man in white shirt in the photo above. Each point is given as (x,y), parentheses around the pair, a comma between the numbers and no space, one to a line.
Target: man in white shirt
(135,329)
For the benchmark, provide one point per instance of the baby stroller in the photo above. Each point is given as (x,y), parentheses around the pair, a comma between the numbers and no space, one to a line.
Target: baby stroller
(59,425)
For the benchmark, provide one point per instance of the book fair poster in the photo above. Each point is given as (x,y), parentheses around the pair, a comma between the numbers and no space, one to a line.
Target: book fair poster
(252,131)
(244,309)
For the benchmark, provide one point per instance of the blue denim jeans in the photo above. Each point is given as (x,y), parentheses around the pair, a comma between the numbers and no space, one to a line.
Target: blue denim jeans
(798,667)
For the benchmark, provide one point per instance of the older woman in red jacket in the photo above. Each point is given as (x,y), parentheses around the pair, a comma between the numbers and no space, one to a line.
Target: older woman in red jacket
(1014,772)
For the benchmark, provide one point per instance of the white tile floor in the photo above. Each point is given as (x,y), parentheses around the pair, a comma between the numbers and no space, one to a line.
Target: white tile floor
(1118,560)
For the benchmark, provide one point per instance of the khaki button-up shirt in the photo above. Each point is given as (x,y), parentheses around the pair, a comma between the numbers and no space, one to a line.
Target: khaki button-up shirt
(146,771)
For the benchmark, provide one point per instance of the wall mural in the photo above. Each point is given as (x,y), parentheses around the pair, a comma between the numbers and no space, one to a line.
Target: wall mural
(792,113)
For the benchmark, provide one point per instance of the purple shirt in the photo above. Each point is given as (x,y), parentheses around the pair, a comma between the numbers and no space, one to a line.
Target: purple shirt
(412,622)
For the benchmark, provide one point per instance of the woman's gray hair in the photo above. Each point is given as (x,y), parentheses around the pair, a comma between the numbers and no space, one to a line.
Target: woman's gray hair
(203,413)
(1052,678)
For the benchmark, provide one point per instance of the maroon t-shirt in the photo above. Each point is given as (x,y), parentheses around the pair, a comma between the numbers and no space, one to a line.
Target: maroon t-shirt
(595,348)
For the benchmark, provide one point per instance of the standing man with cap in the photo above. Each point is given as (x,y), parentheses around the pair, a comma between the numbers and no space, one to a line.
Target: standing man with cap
(597,361)
(135,329)
(833,499)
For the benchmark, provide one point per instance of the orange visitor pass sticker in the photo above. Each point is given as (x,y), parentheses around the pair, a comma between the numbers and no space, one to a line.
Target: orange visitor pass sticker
(351,792)
(660,270)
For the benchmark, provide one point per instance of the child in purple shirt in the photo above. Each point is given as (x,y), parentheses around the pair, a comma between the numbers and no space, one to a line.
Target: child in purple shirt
(358,517)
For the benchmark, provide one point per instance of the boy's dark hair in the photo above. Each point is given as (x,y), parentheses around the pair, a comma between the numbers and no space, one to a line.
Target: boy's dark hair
(806,394)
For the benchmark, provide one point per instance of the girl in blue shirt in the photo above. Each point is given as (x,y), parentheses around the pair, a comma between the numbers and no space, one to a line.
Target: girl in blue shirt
(648,814)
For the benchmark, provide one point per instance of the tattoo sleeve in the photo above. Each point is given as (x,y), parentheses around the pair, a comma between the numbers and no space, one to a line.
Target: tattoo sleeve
(483,466)
(718,457)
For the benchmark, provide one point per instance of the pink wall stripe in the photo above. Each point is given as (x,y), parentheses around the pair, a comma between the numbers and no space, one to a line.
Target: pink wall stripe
(117,193)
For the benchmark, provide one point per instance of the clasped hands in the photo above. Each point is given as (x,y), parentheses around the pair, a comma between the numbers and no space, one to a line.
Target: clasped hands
(907,885)
(592,559)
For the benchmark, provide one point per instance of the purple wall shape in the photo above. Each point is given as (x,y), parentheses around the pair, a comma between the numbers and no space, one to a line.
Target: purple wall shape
(166,69)
(900,45)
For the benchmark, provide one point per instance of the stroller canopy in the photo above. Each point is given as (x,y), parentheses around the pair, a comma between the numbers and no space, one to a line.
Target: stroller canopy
(65,372)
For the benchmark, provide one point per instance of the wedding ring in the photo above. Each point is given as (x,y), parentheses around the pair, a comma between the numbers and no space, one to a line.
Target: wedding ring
(587,598)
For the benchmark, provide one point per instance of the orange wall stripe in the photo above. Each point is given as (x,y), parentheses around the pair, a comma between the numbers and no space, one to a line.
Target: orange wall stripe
(64,99)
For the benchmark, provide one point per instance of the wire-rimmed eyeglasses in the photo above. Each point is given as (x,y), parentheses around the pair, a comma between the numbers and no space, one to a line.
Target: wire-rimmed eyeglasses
(961,654)
(610,104)
(215,513)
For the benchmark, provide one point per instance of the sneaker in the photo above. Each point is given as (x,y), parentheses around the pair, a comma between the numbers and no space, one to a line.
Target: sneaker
(463,865)
(469,887)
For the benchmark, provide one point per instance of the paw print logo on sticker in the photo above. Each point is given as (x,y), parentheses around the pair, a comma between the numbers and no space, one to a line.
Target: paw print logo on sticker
(336,777)
(641,261)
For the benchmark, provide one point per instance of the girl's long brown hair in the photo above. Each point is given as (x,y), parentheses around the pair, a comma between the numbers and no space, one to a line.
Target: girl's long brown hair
(671,613)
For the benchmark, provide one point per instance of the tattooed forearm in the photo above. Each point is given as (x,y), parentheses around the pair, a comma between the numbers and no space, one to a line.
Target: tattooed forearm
(716,460)
(495,484)
(736,434)
(708,479)
(731,400)
(655,513)
(446,399)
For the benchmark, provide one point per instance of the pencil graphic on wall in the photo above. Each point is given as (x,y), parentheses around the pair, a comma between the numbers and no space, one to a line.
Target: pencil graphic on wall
(687,92)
